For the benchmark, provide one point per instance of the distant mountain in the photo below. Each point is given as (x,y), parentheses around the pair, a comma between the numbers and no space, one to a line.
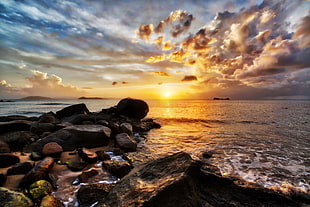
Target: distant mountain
(90,97)
(36,98)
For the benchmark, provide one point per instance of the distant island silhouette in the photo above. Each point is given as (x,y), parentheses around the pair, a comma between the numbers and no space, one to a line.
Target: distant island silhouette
(216,98)
(36,98)
(90,97)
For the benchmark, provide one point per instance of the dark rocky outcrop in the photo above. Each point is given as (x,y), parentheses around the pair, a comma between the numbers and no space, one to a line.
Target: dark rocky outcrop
(20,168)
(8,160)
(39,172)
(71,110)
(89,194)
(17,125)
(133,108)
(177,180)
(125,142)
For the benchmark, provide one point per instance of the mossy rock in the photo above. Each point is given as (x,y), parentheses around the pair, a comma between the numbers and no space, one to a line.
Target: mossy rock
(39,189)
(10,198)
(50,201)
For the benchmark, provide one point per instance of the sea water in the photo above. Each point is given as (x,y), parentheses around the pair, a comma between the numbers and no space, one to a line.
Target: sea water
(266,142)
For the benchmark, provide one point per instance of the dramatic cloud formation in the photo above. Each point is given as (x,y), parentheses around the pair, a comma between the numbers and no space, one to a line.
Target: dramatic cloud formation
(243,49)
(125,48)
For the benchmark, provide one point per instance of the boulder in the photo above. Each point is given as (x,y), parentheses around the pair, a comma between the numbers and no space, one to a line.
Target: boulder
(49,117)
(4,147)
(50,201)
(117,168)
(84,176)
(71,110)
(52,148)
(78,136)
(145,125)
(39,172)
(40,128)
(102,155)
(10,198)
(177,180)
(88,194)
(125,142)
(126,128)
(76,166)
(133,108)
(77,118)
(18,125)
(35,156)
(18,139)
(87,155)
(8,160)
(20,168)
(39,189)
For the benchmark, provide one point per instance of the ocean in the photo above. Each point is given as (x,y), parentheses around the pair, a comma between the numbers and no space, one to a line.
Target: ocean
(266,141)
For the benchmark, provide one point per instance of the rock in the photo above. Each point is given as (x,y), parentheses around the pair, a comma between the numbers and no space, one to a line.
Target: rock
(133,108)
(10,198)
(71,110)
(17,117)
(87,155)
(40,128)
(78,136)
(177,180)
(126,142)
(77,119)
(20,168)
(207,155)
(87,122)
(145,125)
(35,156)
(4,147)
(2,178)
(49,117)
(18,139)
(52,148)
(102,155)
(88,194)
(39,172)
(76,166)
(8,160)
(18,125)
(103,123)
(50,201)
(117,168)
(39,189)
(83,178)
(126,128)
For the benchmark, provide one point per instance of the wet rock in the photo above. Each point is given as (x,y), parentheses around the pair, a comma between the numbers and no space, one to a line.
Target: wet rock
(40,128)
(39,189)
(20,168)
(77,136)
(177,180)
(103,123)
(35,156)
(39,172)
(77,119)
(126,142)
(4,147)
(126,128)
(18,125)
(76,166)
(10,198)
(117,168)
(17,117)
(133,108)
(18,139)
(2,179)
(71,110)
(83,178)
(87,155)
(207,155)
(49,117)
(89,194)
(145,125)
(8,160)
(102,155)
(50,201)
(52,148)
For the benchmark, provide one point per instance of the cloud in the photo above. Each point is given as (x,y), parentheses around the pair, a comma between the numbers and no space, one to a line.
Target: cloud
(161,73)
(42,84)
(245,46)
(7,90)
(189,78)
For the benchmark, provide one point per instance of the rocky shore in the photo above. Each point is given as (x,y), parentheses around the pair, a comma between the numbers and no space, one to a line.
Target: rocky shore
(74,157)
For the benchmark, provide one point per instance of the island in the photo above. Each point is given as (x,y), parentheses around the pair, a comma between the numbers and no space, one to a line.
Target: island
(36,98)
(83,97)
(216,98)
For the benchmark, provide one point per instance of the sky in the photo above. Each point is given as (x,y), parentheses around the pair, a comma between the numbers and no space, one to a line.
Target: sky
(192,49)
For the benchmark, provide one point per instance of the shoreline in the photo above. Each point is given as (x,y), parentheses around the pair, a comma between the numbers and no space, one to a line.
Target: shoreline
(50,126)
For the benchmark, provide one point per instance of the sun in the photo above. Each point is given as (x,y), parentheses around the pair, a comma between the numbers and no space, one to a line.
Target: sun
(167,94)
